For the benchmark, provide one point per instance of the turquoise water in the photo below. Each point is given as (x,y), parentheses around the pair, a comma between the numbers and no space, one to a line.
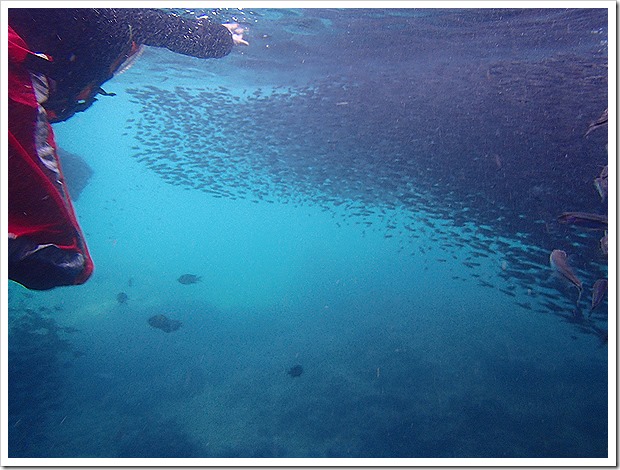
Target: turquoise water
(406,351)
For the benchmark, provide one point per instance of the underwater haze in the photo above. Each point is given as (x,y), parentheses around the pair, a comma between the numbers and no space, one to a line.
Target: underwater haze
(333,242)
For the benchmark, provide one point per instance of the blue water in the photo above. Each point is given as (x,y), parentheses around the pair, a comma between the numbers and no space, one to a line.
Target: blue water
(417,298)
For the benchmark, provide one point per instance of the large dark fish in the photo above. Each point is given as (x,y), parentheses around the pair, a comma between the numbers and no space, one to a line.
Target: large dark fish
(559,262)
(122,298)
(164,323)
(584,219)
(599,289)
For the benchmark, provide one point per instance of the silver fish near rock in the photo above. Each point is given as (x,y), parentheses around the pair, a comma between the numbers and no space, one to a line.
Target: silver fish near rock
(559,261)
(599,289)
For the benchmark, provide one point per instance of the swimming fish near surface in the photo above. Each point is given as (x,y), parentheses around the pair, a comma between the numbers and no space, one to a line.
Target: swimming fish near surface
(559,261)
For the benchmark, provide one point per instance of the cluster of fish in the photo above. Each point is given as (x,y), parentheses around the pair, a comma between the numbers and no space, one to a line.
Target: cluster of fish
(372,138)
(559,261)
(589,221)
(393,154)
(161,322)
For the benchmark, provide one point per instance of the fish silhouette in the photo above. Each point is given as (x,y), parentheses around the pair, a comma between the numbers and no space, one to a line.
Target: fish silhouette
(604,243)
(189,279)
(296,371)
(584,219)
(559,262)
(164,323)
(599,289)
(599,122)
(601,183)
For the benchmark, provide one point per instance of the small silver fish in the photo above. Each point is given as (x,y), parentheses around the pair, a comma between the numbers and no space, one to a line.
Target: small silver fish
(559,262)
(599,289)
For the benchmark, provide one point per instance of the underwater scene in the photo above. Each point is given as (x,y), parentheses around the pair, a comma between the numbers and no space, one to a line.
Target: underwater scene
(370,233)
